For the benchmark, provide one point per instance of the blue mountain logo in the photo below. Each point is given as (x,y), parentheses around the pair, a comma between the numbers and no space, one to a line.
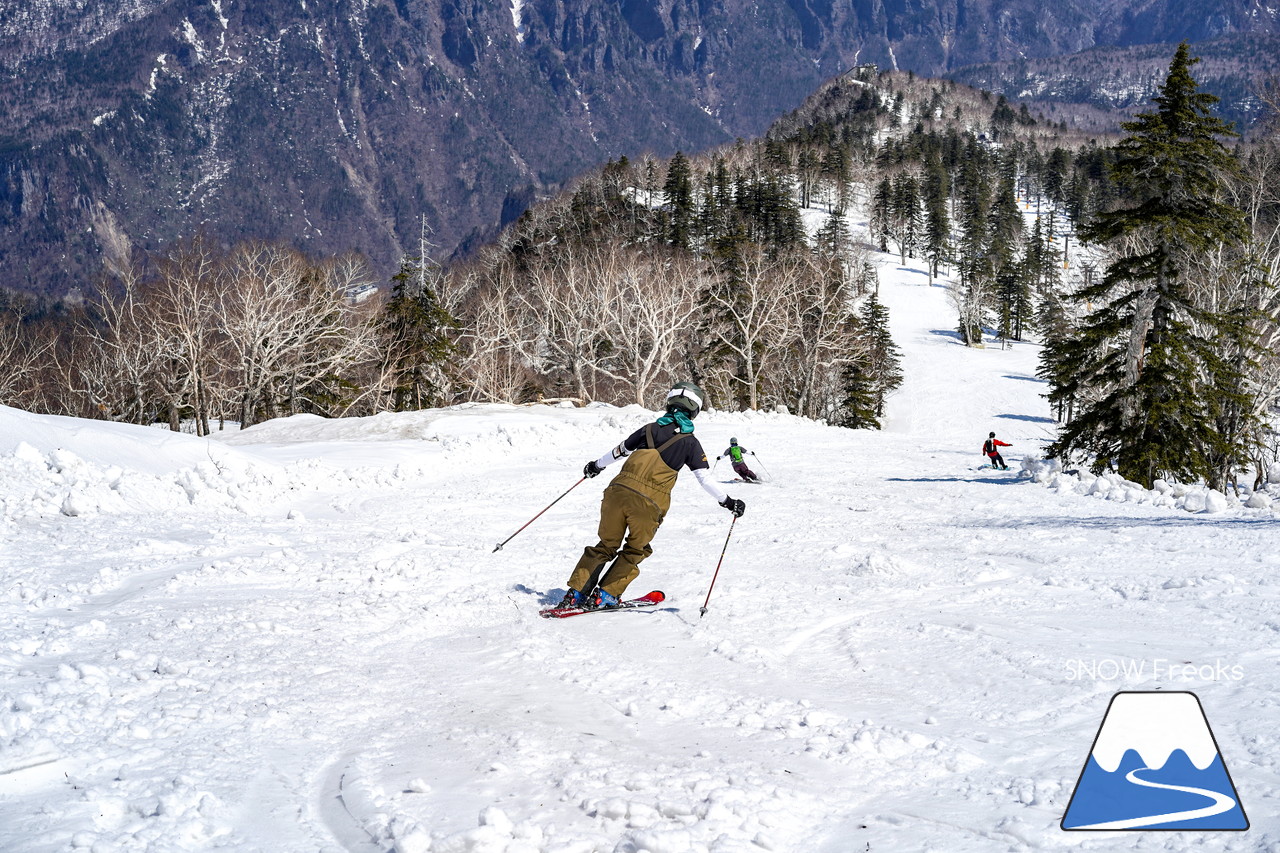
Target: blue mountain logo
(1154,765)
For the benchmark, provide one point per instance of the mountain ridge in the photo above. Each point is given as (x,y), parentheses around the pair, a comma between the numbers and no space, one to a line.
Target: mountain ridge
(346,127)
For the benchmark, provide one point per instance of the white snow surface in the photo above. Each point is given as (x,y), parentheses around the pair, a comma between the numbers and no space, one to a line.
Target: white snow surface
(299,637)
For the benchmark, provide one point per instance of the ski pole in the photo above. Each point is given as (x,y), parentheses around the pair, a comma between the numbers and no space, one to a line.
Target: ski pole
(535,518)
(762,465)
(702,611)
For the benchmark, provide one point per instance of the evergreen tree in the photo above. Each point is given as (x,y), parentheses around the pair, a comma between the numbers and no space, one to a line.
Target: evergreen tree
(937,222)
(858,405)
(1146,356)
(975,262)
(1008,273)
(677,192)
(1043,259)
(417,343)
(836,169)
(1006,219)
(807,169)
(868,382)
(1056,358)
(886,358)
(1012,297)
(905,217)
(776,157)
(1002,118)
(1056,170)
(882,213)
(832,239)
(715,211)
(1231,406)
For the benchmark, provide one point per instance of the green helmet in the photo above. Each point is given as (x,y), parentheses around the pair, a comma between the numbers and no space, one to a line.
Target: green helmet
(687,397)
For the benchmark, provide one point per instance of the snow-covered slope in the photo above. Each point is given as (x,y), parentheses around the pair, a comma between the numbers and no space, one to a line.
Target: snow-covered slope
(300,637)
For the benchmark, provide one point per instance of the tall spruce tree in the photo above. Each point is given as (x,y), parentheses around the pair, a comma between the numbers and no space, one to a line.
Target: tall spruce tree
(867,382)
(882,213)
(1008,272)
(1145,356)
(975,263)
(858,405)
(937,225)
(677,192)
(417,344)
(837,170)
(905,216)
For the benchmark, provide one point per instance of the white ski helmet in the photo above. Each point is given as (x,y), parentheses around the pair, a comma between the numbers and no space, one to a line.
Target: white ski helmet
(687,397)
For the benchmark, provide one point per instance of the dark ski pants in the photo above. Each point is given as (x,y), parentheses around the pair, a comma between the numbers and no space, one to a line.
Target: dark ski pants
(997,461)
(628,523)
(744,472)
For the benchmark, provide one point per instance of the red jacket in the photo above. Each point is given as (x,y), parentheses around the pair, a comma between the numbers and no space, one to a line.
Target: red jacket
(990,445)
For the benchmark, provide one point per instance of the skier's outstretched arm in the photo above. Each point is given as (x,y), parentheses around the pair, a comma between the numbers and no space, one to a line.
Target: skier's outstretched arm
(595,466)
(709,485)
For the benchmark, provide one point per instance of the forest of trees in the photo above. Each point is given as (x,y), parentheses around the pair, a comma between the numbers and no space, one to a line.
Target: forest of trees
(736,268)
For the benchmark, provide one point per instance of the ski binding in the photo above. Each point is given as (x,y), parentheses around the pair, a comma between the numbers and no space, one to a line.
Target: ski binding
(647,600)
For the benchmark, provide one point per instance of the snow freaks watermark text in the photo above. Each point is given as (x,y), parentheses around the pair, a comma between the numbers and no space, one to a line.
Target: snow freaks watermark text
(1160,669)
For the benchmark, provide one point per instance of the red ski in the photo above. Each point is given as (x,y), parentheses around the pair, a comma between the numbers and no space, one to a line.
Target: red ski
(649,600)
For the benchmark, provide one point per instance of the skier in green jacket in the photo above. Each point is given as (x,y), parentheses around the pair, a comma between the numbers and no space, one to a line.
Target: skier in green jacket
(637,500)
(735,454)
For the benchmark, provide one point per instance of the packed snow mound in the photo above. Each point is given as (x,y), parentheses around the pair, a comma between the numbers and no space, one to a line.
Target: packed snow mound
(146,450)
(499,426)
(1113,487)
(57,465)
(53,465)
(455,428)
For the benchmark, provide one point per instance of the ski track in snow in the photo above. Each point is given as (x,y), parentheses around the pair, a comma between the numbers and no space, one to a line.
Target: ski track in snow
(299,638)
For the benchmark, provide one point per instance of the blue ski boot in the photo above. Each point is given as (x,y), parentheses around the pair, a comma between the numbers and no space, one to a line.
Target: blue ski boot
(572,598)
(600,598)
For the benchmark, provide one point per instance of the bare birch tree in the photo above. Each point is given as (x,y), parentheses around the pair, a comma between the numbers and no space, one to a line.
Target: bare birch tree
(116,373)
(563,300)
(751,319)
(22,357)
(493,339)
(648,311)
(185,298)
(826,340)
(290,329)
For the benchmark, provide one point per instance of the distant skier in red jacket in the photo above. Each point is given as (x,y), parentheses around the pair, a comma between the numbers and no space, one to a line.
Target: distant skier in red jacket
(989,448)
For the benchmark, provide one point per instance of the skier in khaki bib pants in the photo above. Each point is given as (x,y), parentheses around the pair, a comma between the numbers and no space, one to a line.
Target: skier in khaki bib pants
(637,500)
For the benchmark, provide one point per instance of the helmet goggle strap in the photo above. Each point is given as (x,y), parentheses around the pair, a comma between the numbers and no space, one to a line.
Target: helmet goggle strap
(685,392)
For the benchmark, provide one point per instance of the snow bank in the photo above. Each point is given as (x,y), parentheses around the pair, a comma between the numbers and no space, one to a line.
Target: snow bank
(55,465)
(1113,487)
(105,443)
(490,424)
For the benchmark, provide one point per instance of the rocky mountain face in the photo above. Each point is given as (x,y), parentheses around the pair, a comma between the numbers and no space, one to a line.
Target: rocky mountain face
(344,125)
(1090,89)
